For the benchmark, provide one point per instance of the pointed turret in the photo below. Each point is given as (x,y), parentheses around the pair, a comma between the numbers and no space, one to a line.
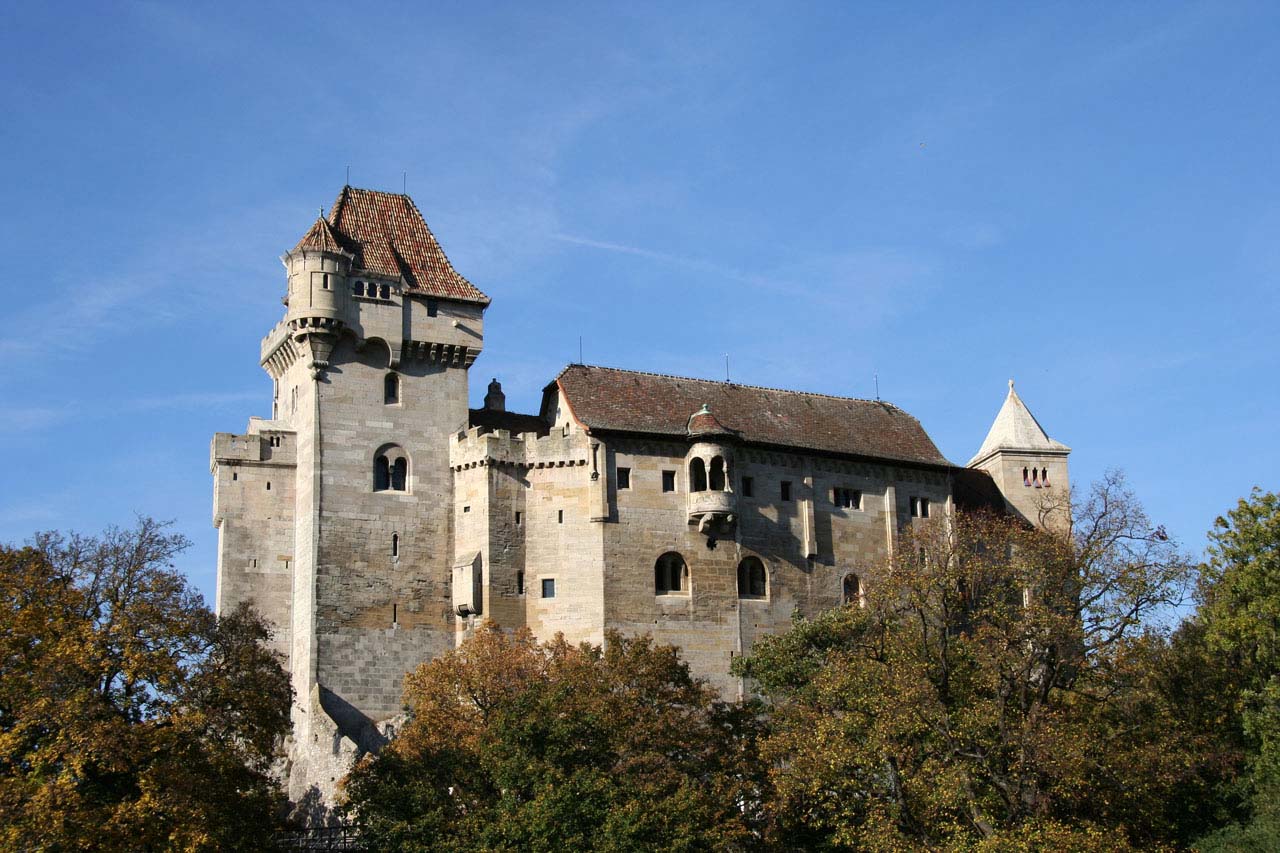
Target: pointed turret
(1029,467)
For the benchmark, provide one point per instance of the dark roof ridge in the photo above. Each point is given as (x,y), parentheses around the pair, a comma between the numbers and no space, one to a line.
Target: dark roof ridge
(568,367)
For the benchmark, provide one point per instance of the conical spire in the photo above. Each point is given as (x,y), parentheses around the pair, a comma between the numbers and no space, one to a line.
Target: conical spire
(320,238)
(1015,428)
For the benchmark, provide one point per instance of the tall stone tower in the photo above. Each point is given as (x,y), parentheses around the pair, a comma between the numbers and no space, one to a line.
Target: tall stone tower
(335,517)
(1029,468)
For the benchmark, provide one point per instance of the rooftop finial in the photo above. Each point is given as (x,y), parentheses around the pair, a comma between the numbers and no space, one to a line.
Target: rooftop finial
(1010,384)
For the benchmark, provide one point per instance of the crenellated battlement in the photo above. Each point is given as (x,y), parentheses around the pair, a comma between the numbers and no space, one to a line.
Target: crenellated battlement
(479,447)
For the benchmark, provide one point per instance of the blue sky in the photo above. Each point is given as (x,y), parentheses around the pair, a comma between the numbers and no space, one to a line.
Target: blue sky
(1082,196)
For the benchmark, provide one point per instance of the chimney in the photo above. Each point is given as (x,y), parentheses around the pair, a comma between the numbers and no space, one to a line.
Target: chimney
(495,400)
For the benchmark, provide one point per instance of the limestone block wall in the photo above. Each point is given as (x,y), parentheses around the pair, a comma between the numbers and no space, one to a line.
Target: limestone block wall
(253,501)
(378,614)
(1029,498)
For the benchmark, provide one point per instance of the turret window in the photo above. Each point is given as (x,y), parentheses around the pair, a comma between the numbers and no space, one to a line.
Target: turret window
(670,575)
(390,469)
(751,578)
(697,475)
(717,477)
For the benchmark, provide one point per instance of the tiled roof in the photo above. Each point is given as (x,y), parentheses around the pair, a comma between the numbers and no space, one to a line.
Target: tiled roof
(611,400)
(387,235)
(320,237)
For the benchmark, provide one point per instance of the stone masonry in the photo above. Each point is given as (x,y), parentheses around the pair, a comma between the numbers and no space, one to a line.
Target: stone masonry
(376,520)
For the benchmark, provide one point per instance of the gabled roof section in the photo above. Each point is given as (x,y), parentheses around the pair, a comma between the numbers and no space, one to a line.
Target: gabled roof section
(1015,428)
(387,235)
(612,400)
(320,238)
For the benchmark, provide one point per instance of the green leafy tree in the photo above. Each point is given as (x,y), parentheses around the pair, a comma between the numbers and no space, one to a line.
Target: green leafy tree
(1239,626)
(994,692)
(516,745)
(131,718)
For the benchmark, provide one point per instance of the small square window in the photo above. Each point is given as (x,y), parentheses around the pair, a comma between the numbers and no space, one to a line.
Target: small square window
(466,509)
(624,478)
(786,490)
(548,587)
(668,481)
(748,487)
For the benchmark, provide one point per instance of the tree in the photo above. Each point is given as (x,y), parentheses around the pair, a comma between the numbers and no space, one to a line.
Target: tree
(513,745)
(131,717)
(994,692)
(1238,620)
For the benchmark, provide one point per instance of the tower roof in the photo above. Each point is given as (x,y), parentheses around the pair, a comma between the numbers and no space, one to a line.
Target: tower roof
(704,423)
(1015,428)
(386,235)
(320,238)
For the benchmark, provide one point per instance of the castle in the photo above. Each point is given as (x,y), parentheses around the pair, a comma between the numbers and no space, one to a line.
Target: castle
(374,519)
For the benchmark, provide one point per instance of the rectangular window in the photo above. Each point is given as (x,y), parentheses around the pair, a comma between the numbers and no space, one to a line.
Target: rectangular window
(786,490)
(519,583)
(560,516)
(668,481)
(846,498)
(624,478)
(433,308)
(548,587)
(519,518)
(748,487)
(466,509)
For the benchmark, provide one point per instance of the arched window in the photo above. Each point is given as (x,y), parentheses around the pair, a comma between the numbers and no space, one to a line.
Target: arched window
(395,544)
(670,574)
(717,474)
(697,475)
(391,389)
(1044,477)
(1026,477)
(390,469)
(751,578)
(852,592)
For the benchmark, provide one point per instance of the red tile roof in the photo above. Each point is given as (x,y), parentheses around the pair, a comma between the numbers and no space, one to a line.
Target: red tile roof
(387,235)
(611,400)
(320,237)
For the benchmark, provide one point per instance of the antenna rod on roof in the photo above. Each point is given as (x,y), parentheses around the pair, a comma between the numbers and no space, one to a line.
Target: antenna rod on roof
(580,349)
(877,375)
(726,368)
(404,183)
(348,183)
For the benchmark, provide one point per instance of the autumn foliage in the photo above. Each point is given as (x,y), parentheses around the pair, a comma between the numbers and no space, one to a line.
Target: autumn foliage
(131,718)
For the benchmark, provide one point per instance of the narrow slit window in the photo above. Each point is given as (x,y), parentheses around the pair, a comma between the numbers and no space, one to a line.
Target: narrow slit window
(268,485)
(560,516)
(519,518)
(519,583)
(395,544)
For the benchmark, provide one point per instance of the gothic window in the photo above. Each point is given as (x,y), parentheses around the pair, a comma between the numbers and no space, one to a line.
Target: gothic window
(668,481)
(670,574)
(717,474)
(390,469)
(697,475)
(391,389)
(751,578)
(851,593)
